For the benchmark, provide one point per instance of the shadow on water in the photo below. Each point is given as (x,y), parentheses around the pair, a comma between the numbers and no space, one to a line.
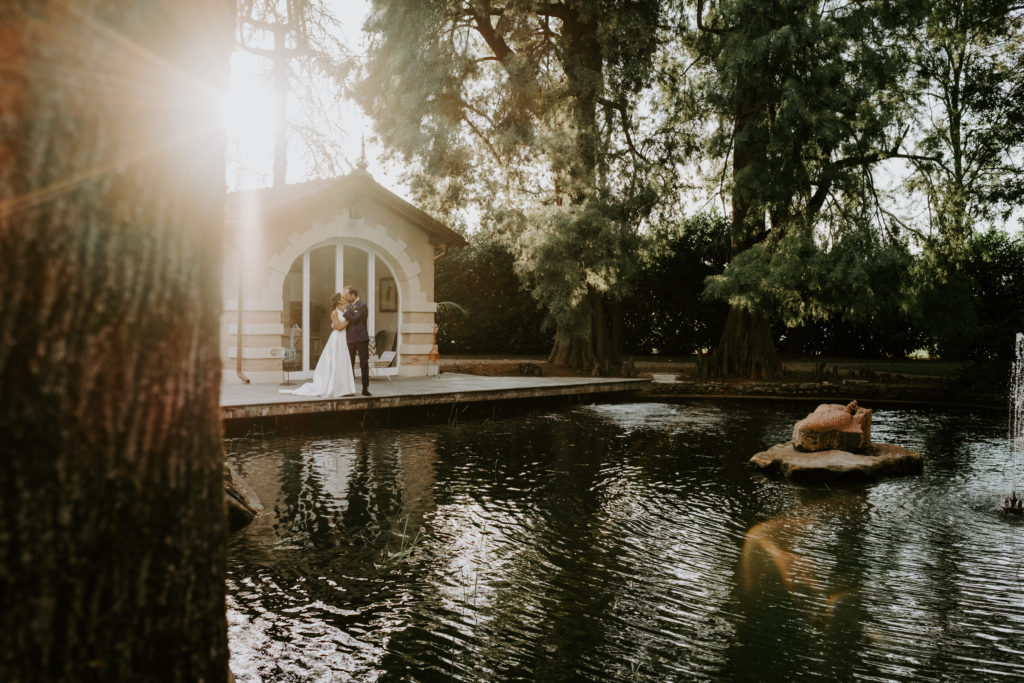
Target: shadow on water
(621,542)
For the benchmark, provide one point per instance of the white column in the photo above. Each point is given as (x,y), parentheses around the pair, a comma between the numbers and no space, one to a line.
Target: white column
(305,312)
(339,267)
(371,293)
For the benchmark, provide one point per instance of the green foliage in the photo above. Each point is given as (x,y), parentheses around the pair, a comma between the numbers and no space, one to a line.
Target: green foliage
(883,326)
(856,275)
(530,119)
(899,302)
(968,77)
(808,99)
(569,133)
(970,302)
(564,252)
(500,316)
(664,312)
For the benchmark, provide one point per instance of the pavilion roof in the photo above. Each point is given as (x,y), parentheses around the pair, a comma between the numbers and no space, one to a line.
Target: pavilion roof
(279,202)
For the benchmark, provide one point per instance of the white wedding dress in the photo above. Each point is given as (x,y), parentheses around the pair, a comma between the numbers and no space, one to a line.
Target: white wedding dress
(333,374)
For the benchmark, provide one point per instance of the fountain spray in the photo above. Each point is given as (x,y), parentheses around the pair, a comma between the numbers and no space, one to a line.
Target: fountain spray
(1013,504)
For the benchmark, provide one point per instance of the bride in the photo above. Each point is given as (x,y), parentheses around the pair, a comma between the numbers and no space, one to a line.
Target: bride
(333,374)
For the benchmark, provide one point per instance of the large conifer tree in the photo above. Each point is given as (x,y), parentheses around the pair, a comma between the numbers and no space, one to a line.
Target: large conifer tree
(528,112)
(808,96)
(112,533)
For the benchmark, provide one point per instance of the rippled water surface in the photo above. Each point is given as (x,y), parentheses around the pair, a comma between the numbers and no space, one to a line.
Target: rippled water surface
(624,542)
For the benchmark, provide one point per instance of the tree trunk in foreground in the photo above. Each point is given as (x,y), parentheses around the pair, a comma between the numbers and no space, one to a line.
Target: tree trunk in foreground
(113,532)
(745,350)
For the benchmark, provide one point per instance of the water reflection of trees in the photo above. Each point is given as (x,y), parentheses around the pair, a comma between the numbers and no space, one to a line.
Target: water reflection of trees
(600,547)
(337,504)
(350,490)
(304,511)
(574,545)
(529,497)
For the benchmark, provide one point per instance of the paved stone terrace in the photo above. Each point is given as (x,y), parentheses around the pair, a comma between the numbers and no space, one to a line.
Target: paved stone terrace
(248,401)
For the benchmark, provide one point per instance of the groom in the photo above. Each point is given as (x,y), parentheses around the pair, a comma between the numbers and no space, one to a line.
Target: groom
(356,334)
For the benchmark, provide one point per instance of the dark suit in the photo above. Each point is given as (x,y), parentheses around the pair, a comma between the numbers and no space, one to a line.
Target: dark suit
(358,338)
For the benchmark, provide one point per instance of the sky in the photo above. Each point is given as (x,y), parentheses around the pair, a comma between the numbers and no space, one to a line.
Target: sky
(249,116)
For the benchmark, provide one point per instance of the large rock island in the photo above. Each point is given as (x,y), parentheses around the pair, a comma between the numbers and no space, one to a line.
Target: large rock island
(834,443)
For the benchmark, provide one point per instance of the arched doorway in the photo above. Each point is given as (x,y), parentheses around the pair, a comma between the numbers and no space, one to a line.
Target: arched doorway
(311,281)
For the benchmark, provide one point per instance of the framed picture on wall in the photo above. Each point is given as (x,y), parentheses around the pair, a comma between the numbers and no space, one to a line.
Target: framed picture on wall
(387,295)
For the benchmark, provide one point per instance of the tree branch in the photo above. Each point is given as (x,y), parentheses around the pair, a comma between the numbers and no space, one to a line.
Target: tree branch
(875,157)
(269,54)
(621,108)
(290,53)
(828,175)
(502,52)
(497,44)
(545,28)
(553,9)
(483,138)
(260,24)
(915,157)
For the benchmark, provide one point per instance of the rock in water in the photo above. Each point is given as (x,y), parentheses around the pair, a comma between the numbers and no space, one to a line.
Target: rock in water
(241,501)
(880,460)
(834,443)
(834,427)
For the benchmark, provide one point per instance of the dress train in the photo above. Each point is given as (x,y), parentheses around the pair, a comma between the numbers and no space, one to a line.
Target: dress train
(333,375)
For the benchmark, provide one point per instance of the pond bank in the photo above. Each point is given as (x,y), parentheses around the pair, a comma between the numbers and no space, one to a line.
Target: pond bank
(893,382)
(938,392)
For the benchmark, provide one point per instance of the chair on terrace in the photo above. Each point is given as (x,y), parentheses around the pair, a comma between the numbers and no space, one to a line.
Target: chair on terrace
(379,359)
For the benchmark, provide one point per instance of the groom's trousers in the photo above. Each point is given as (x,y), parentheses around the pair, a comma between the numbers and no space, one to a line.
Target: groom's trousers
(361,349)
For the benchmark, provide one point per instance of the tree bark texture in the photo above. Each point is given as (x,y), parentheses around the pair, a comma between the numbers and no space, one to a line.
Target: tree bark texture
(599,352)
(584,71)
(748,148)
(596,351)
(112,532)
(745,350)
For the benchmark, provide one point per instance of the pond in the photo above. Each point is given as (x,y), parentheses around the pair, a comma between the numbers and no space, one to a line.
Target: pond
(624,542)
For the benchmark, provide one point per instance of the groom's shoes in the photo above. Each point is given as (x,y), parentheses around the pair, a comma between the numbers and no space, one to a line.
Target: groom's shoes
(366,392)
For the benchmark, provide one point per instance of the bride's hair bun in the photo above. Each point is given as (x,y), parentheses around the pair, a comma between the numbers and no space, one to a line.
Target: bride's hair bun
(335,300)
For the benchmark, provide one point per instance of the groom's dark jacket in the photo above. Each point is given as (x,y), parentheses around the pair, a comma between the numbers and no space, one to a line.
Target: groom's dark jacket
(356,313)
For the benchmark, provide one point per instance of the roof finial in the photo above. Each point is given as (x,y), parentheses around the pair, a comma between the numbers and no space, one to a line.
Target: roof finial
(361,163)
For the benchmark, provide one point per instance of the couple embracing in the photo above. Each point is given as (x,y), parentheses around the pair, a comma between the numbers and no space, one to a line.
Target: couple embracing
(334,374)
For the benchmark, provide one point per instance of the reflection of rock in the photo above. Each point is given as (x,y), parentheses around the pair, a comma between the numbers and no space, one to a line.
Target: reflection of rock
(767,550)
(241,501)
(846,428)
(774,557)
(881,460)
(834,442)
